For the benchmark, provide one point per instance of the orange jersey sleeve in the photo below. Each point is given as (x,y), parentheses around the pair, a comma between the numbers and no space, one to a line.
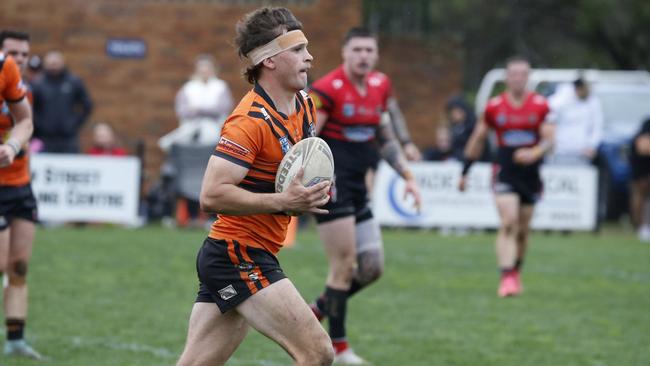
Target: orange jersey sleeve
(12,88)
(241,140)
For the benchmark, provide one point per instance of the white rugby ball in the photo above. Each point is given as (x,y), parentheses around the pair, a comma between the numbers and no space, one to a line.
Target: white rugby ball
(314,155)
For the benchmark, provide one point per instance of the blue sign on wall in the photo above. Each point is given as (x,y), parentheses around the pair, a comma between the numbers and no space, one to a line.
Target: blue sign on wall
(126,48)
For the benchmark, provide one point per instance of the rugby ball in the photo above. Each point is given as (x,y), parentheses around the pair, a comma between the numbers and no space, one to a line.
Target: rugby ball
(314,155)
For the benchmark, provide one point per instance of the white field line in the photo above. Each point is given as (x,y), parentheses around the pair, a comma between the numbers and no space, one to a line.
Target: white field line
(83,342)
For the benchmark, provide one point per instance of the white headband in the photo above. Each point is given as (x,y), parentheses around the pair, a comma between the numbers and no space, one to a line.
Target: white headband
(279,44)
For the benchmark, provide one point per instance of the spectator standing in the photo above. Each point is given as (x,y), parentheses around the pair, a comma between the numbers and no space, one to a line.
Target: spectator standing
(202,105)
(578,115)
(455,132)
(640,163)
(61,106)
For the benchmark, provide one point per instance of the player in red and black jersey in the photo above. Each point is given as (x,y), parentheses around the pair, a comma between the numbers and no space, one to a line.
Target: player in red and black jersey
(524,136)
(351,101)
(17,202)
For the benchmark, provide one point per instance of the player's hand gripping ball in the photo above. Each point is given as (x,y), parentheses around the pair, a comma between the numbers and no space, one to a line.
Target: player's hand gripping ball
(314,156)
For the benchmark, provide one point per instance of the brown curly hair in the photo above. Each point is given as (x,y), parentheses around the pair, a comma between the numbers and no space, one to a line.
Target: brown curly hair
(260,27)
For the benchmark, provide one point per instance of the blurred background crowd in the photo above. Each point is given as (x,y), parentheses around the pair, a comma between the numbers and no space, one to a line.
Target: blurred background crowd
(156,79)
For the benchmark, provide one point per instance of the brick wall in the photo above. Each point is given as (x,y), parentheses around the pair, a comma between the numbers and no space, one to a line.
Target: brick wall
(136,96)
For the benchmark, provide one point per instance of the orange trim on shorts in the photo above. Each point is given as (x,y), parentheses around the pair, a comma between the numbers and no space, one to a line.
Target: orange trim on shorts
(235,260)
(263,280)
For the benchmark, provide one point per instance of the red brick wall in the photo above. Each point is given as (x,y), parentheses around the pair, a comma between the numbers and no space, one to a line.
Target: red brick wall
(424,77)
(136,96)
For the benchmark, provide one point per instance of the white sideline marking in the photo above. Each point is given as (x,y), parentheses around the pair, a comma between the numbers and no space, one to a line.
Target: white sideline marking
(133,347)
(83,342)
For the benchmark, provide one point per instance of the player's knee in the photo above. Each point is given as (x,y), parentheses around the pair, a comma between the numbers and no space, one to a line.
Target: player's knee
(18,273)
(369,275)
(321,354)
(371,267)
(522,235)
(346,264)
(510,226)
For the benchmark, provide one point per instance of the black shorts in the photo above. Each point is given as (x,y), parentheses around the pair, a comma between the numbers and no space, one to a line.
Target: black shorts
(639,167)
(17,202)
(349,196)
(527,186)
(229,272)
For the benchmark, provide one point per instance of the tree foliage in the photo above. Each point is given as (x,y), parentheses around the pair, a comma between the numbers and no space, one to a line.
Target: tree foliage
(607,34)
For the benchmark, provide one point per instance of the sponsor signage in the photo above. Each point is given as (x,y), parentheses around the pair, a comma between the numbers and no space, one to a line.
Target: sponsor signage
(126,48)
(82,188)
(568,201)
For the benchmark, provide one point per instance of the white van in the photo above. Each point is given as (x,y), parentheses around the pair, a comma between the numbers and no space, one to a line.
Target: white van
(625,97)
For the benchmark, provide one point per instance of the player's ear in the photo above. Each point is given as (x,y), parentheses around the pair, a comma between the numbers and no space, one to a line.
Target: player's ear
(269,63)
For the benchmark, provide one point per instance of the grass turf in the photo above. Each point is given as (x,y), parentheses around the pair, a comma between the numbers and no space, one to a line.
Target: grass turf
(108,296)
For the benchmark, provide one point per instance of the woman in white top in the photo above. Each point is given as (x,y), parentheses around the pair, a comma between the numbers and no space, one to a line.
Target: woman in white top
(201,107)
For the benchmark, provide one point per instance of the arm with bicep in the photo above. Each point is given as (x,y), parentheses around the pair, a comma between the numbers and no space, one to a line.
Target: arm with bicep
(20,133)
(391,151)
(220,193)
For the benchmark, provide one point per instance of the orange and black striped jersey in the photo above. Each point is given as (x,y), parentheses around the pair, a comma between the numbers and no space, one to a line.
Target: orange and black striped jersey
(12,90)
(256,136)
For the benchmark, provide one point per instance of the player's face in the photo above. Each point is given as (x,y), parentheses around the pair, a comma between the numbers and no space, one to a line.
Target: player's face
(18,49)
(582,92)
(517,76)
(204,69)
(292,66)
(360,55)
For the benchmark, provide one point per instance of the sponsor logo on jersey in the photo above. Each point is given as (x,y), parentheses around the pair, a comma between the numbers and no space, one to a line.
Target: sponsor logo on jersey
(227,292)
(337,83)
(245,266)
(375,81)
(359,134)
(519,138)
(254,276)
(348,109)
(285,144)
(233,147)
(501,119)
(312,129)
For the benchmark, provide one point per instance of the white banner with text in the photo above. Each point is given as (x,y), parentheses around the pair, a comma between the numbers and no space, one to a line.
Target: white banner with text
(85,188)
(568,201)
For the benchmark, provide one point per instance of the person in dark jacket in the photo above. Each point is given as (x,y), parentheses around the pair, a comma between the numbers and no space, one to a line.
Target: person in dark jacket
(61,106)
(459,124)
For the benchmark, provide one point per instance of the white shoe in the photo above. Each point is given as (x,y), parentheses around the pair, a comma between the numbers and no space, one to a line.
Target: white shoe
(644,233)
(348,357)
(20,348)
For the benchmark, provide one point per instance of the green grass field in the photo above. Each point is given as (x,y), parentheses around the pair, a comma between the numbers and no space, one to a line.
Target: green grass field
(108,296)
